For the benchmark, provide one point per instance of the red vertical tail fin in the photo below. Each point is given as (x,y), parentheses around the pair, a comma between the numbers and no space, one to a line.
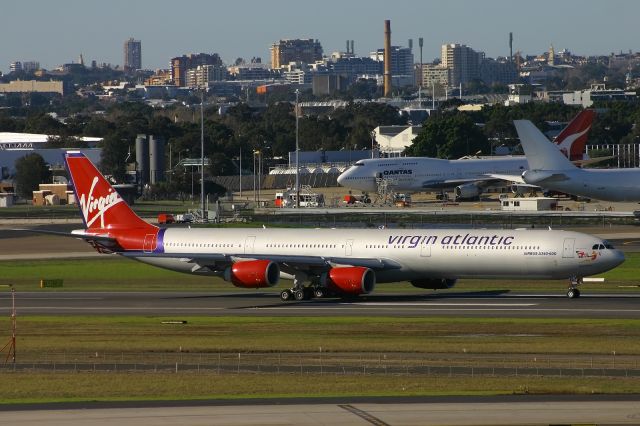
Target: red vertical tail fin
(103,209)
(572,140)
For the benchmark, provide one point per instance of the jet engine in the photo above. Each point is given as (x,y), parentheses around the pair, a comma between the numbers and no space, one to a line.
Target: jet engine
(524,189)
(253,274)
(352,280)
(434,283)
(467,191)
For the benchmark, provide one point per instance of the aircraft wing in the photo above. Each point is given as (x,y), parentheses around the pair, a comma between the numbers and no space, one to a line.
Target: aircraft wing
(509,178)
(286,262)
(449,183)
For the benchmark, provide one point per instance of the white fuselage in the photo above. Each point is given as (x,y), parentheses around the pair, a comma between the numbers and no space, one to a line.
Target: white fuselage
(599,184)
(416,174)
(418,253)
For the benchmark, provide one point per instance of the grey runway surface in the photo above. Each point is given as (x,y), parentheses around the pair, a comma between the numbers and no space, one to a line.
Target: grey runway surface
(475,412)
(489,304)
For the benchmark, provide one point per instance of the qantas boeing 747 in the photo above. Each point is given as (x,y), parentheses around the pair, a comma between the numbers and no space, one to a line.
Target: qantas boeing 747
(468,177)
(333,261)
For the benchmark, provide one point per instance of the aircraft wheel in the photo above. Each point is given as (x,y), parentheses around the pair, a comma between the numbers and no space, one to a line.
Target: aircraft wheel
(286,295)
(298,295)
(318,292)
(572,293)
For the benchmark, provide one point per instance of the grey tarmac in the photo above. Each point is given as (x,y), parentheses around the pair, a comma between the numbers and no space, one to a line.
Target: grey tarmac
(493,304)
(524,410)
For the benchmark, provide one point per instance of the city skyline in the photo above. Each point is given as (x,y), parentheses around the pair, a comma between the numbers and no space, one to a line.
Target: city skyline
(57,35)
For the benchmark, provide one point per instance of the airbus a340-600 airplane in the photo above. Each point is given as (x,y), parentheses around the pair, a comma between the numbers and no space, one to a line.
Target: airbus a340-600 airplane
(332,261)
(467,177)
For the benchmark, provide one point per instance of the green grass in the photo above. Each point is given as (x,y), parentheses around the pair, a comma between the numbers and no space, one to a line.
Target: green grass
(137,334)
(142,338)
(114,273)
(65,387)
(42,337)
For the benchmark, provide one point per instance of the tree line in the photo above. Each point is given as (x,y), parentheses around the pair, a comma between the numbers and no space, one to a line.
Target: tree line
(241,130)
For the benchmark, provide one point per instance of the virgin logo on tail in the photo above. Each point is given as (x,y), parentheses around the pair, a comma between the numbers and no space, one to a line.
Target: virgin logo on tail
(100,205)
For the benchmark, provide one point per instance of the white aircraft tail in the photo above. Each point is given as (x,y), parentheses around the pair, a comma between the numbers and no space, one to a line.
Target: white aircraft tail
(541,154)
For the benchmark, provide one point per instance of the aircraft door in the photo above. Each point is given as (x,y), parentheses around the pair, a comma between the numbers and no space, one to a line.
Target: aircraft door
(149,243)
(568,248)
(249,243)
(348,248)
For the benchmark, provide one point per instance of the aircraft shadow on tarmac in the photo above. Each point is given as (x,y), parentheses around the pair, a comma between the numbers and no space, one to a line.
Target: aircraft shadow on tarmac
(503,294)
(273,297)
(394,298)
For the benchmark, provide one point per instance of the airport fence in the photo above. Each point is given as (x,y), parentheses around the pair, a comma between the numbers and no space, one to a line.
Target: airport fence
(613,365)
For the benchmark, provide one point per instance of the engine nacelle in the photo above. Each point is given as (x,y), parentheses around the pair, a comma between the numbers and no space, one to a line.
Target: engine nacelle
(467,191)
(253,274)
(353,280)
(434,283)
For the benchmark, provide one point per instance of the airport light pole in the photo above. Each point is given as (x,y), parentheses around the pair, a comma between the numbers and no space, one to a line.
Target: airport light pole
(373,141)
(297,150)
(202,206)
(254,175)
(259,174)
(420,43)
(433,95)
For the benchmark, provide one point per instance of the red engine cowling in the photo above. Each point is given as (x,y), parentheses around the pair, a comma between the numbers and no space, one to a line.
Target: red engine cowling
(253,274)
(352,280)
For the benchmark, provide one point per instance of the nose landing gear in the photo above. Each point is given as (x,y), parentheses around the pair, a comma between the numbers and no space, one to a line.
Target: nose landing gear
(573,291)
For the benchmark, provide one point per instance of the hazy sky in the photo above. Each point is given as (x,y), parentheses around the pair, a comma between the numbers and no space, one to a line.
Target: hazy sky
(56,32)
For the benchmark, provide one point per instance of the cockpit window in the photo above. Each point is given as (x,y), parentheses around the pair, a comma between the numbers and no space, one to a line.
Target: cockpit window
(358,164)
(604,245)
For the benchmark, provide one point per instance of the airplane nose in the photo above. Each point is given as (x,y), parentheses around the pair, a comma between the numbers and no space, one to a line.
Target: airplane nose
(341,178)
(617,257)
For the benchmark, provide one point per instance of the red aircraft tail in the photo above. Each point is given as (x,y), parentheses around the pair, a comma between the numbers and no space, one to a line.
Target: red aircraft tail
(572,140)
(103,210)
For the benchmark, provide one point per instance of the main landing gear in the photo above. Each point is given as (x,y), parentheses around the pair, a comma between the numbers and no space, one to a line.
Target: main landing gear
(573,291)
(302,293)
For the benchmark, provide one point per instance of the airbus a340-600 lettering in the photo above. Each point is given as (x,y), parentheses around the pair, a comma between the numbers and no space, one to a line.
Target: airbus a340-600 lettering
(332,261)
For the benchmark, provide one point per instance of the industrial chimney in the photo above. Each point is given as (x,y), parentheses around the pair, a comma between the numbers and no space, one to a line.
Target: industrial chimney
(510,47)
(387,58)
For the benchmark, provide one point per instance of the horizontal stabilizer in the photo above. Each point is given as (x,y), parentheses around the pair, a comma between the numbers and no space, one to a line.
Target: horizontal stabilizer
(593,160)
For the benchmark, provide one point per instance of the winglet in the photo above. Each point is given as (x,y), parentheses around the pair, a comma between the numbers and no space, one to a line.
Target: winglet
(541,154)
